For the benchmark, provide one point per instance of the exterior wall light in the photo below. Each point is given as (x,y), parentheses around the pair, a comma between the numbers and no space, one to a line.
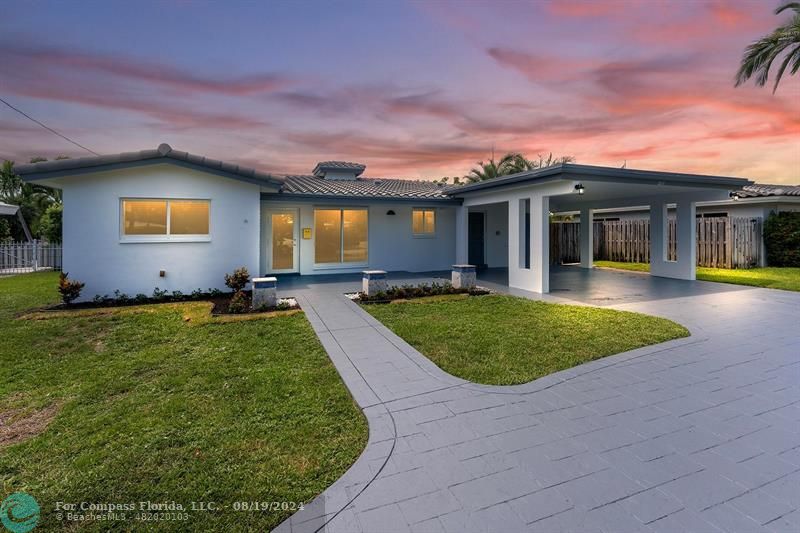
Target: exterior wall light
(390,212)
(579,188)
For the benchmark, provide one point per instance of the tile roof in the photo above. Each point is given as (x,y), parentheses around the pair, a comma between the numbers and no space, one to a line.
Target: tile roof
(363,188)
(164,151)
(758,190)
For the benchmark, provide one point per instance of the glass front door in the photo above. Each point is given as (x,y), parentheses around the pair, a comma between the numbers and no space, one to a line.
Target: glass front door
(283,257)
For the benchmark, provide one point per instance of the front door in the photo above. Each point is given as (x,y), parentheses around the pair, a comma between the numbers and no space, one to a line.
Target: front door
(283,232)
(476,232)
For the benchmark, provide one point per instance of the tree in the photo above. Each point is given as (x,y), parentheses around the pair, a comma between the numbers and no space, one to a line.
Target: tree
(33,199)
(759,56)
(512,163)
(50,223)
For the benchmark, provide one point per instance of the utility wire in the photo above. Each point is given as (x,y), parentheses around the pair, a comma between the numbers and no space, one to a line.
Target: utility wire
(48,128)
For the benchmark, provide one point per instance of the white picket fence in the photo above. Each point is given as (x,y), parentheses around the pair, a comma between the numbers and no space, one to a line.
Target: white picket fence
(23,257)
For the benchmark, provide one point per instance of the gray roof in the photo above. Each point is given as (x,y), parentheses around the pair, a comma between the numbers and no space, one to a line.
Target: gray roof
(590,172)
(363,188)
(759,190)
(164,153)
(323,166)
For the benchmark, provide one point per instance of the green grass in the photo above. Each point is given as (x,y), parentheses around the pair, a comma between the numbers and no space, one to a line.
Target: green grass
(505,340)
(770,277)
(163,403)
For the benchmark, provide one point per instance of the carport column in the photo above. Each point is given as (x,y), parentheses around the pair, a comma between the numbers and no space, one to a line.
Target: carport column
(587,238)
(686,234)
(462,235)
(540,243)
(658,235)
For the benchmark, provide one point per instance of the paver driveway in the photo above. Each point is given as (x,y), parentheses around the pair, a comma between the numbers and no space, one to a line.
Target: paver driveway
(698,434)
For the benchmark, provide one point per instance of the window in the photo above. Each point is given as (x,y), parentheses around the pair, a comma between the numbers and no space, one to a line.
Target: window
(423,222)
(151,219)
(340,236)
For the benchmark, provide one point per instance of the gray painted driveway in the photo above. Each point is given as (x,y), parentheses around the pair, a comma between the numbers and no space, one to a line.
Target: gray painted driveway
(698,434)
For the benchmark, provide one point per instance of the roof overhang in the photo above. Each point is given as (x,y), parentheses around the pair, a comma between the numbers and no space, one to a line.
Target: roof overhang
(8,209)
(604,187)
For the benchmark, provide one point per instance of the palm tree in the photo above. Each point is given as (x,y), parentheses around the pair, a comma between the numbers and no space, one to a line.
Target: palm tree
(491,169)
(758,57)
(33,199)
(523,164)
(511,163)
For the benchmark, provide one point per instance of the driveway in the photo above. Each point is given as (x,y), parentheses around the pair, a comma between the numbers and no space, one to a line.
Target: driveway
(697,434)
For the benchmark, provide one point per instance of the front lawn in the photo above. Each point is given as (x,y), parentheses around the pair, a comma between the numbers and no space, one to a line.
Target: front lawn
(770,277)
(504,340)
(161,403)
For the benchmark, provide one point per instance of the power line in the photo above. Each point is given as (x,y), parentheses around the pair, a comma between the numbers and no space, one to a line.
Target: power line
(48,128)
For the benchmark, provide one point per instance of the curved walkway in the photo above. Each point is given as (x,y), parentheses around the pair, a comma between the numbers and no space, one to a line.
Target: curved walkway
(697,434)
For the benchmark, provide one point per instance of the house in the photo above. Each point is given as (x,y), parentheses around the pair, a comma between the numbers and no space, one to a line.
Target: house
(169,219)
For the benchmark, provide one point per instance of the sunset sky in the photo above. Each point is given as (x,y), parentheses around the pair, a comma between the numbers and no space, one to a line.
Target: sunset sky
(411,89)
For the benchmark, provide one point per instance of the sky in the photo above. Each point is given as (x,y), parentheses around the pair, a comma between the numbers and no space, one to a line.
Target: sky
(411,89)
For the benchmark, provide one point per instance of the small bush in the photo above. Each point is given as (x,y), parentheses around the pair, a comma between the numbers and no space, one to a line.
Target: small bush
(238,279)
(158,294)
(283,305)
(782,239)
(140,298)
(239,303)
(69,289)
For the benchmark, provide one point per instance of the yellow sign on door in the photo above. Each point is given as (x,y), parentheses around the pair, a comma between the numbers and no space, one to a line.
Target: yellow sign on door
(306,233)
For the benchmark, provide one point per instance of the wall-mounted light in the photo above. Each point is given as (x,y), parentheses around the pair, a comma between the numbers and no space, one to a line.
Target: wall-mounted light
(579,188)
(734,196)
(390,212)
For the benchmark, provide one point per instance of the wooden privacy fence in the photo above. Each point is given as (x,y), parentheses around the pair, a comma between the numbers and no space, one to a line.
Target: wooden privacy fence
(21,257)
(722,242)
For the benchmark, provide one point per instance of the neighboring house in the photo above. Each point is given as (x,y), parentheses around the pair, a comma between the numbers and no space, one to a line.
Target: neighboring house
(14,211)
(752,201)
(177,221)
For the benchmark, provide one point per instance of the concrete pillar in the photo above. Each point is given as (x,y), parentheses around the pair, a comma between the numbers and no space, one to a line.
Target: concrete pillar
(587,238)
(463,276)
(265,292)
(687,240)
(462,235)
(540,244)
(373,282)
(686,235)
(658,234)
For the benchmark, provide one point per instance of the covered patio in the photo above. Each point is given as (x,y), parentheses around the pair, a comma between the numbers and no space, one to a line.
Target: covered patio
(504,222)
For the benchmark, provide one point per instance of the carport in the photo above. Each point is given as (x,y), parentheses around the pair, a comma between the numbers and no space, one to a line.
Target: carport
(526,200)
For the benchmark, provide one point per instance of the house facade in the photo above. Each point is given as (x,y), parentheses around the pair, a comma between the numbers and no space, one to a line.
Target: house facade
(177,221)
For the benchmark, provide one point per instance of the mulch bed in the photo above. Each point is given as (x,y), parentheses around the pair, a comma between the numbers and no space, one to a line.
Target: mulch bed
(219,301)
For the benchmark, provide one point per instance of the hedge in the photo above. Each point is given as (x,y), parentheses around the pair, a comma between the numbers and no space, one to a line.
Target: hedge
(782,239)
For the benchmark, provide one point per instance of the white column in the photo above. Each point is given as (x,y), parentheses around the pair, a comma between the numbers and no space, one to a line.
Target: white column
(686,235)
(540,244)
(587,238)
(658,236)
(462,235)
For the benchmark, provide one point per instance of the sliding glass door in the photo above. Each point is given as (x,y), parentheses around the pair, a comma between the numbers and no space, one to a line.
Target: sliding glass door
(340,236)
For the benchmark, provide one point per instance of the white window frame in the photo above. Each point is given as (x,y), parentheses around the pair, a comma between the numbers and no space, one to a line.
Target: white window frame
(123,238)
(341,264)
(428,235)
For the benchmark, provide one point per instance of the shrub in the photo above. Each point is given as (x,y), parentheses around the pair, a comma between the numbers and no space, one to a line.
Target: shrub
(158,294)
(140,298)
(69,289)
(239,303)
(238,279)
(283,305)
(50,223)
(782,239)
